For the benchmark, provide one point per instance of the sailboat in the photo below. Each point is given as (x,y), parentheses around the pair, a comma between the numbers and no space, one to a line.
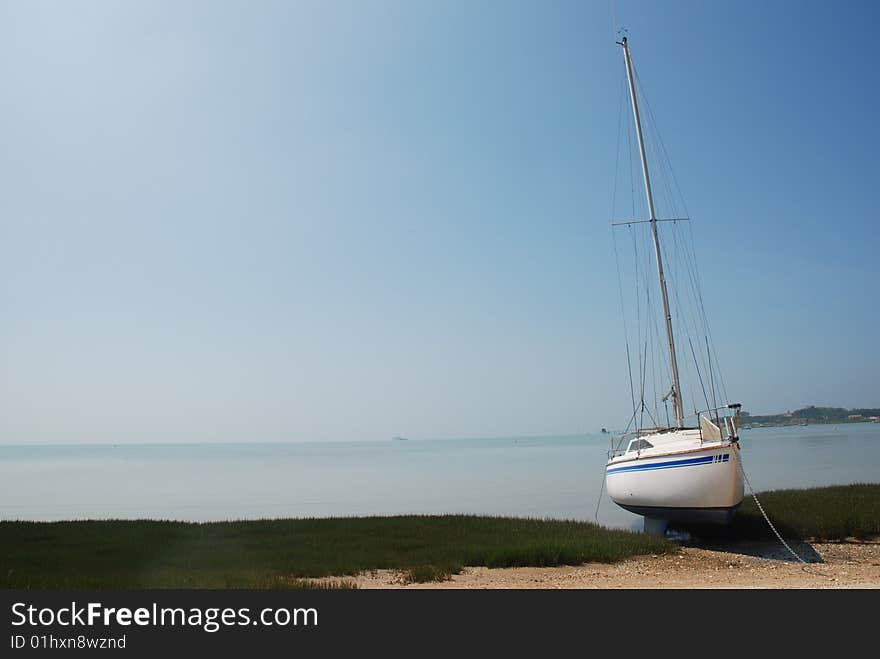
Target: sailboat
(676,473)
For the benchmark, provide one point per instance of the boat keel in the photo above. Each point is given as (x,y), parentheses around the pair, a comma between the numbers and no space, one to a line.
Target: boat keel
(684,515)
(656,526)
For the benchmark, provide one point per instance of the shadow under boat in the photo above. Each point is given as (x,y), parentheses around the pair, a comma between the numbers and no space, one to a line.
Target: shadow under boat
(746,535)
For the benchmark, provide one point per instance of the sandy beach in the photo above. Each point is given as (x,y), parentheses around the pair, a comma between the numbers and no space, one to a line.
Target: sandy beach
(746,565)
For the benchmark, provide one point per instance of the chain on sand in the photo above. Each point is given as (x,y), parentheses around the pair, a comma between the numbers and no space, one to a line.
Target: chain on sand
(806,566)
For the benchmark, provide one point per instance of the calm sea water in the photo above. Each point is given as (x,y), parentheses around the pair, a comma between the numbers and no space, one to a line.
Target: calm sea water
(557,477)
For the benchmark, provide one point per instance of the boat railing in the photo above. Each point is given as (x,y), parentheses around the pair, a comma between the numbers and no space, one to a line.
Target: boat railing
(719,423)
(715,424)
(619,443)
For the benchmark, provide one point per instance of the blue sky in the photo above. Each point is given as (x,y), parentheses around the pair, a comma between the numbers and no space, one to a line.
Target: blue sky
(230,221)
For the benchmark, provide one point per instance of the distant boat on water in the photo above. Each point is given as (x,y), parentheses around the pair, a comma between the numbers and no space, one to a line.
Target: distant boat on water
(398,438)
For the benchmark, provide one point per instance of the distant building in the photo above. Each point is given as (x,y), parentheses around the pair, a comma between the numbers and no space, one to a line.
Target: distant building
(854,417)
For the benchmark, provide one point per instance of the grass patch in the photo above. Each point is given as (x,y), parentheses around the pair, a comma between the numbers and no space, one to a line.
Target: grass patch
(283,553)
(429,573)
(832,514)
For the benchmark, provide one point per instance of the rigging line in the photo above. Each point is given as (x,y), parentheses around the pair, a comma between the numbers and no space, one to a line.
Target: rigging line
(638,313)
(685,255)
(629,158)
(685,311)
(629,424)
(687,320)
(694,285)
(617,151)
(706,325)
(653,335)
(665,168)
(643,311)
(705,366)
(655,371)
(653,134)
(710,349)
(656,137)
(623,435)
(660,139)
(712,386)
(707,333)
(683,316)
(660,365)
(632,393)
(644,329)
(642,418)
(698,373)
(616,255)
(649,312)
(693,397)
(690,254)
(689,313)
(699,366)
(693,271)
(656,349)
(652,418)
(601,492)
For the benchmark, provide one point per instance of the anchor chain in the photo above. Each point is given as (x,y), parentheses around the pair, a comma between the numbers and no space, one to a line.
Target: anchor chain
(806,566)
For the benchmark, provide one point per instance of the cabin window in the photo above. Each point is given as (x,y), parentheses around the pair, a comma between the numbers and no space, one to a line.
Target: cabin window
(640,445)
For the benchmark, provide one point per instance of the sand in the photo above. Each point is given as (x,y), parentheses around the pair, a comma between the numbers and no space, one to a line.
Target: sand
(745,565)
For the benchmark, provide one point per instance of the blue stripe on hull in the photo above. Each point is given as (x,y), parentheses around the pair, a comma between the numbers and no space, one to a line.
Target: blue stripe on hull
(672,464)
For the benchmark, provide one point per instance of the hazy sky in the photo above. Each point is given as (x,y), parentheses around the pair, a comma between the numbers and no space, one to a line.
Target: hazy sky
(257,221)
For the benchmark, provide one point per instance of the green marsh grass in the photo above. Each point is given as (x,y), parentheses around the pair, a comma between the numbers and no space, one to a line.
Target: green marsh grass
(430,573)
(281,553)
(833,513)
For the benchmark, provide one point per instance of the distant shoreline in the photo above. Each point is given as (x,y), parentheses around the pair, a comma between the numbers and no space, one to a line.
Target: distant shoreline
(811,415)
(818,422)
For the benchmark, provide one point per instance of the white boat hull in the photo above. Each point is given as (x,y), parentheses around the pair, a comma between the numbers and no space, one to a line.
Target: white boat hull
(699,486)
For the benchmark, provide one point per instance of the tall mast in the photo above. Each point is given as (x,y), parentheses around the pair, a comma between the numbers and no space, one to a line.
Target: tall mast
(675,390)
